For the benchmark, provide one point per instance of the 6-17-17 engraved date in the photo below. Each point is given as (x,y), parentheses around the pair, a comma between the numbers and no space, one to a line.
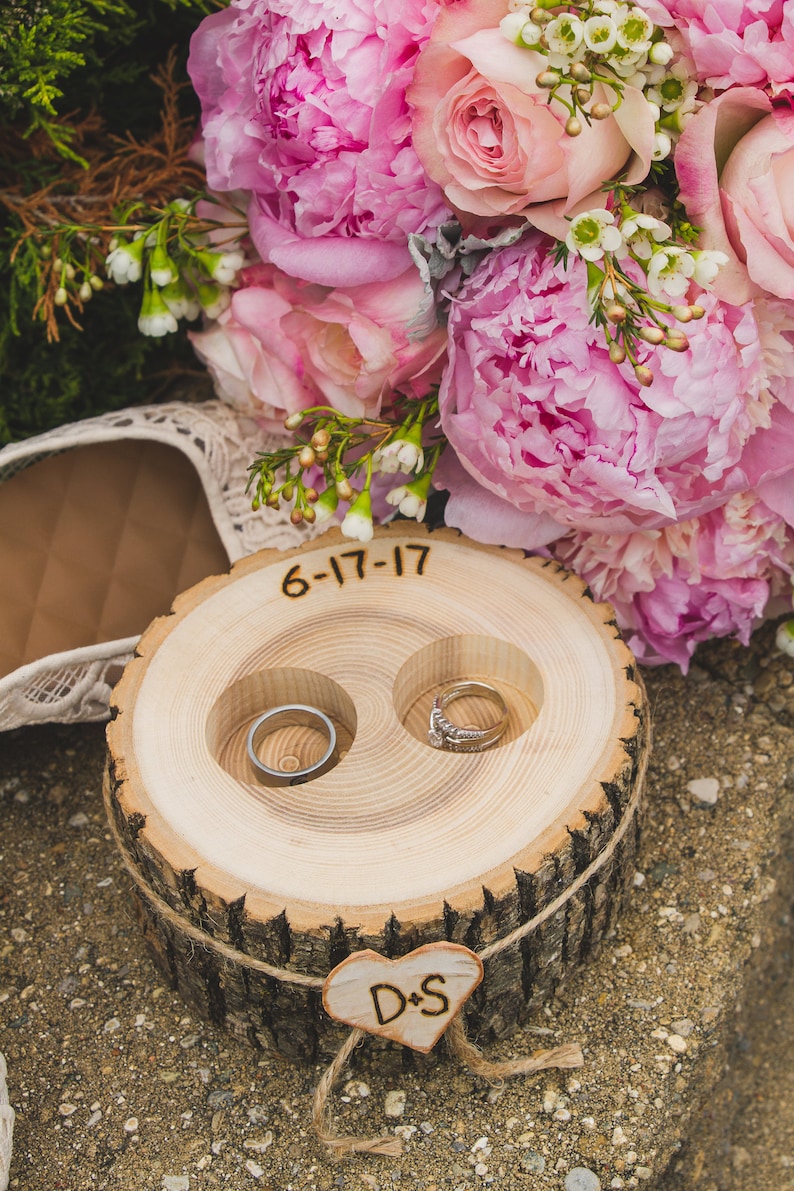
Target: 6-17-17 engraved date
(354,564)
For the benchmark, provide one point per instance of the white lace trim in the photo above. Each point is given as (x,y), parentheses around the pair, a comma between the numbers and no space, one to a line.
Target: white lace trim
(221,443)
(69,688)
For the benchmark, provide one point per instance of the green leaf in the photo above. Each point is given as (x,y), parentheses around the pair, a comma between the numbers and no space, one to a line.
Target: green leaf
(595,279)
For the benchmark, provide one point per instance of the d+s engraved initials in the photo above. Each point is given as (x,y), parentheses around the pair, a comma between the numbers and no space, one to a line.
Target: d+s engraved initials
(411,1000)
(390,1002)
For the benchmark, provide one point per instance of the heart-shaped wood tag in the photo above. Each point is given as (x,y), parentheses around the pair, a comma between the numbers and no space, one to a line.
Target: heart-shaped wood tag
(411,1000)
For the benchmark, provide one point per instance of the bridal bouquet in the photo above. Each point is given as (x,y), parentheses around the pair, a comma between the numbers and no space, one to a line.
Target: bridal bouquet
(537,256)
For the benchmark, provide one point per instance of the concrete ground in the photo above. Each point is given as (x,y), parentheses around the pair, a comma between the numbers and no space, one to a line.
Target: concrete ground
(685,1015)
(744,1137)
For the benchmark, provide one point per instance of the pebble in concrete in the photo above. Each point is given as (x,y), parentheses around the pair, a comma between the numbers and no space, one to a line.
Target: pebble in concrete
(705,790)
(582,1179)
(533,1162)
(394,1105)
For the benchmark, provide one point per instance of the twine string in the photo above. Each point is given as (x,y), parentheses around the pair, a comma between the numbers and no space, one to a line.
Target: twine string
(564,1057)
(198,936)
(288,976)
(337,1144)
(567,1056)
(606,854)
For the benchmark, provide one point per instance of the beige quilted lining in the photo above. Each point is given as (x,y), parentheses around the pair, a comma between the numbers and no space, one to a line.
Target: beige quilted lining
(95,543)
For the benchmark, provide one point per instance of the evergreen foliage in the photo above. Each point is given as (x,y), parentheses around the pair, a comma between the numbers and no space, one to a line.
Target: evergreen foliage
(74,74)
(107,365)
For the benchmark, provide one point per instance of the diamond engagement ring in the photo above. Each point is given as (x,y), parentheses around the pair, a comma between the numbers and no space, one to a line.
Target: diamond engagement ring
(291,715)
(444,734)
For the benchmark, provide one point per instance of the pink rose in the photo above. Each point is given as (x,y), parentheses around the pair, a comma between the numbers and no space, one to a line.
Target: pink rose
(739,42)
(735,164)
(303,106)
(672,588)
(288,345)
(537,413)
(485,131)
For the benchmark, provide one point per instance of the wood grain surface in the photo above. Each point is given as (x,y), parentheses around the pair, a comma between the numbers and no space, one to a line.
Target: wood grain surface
(399,844)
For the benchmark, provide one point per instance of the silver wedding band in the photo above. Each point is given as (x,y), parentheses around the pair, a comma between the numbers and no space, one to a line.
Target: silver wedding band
(444,734)
(291,715)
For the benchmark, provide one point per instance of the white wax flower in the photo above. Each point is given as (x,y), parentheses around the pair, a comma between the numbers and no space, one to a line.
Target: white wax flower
(326,506)
(628,65)
(661,53)
(155,319)
(593,233)
(157,325)
(634,30)
(784,638)
(125,262)
(707,266)
(358,519)
(410,502)
(641,231)
(674,89)
(600,34)
(564,34)
(181,302)
(403,453)
(214,299)
(511,26)
(662,147)
(223,267)
(411,499)
(670,272)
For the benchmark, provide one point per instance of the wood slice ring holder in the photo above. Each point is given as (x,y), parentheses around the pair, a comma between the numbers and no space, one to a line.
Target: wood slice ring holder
(251,895)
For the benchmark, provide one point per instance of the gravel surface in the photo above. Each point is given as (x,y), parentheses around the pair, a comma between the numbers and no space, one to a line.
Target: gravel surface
(117,1086)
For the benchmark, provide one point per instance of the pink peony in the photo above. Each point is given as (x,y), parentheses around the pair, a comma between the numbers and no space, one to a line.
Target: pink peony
(287,345)
(538,415)
(481,514)
(486,133)
(735,164)
(304,107)
(671,588)
(776,336)
(734,42)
